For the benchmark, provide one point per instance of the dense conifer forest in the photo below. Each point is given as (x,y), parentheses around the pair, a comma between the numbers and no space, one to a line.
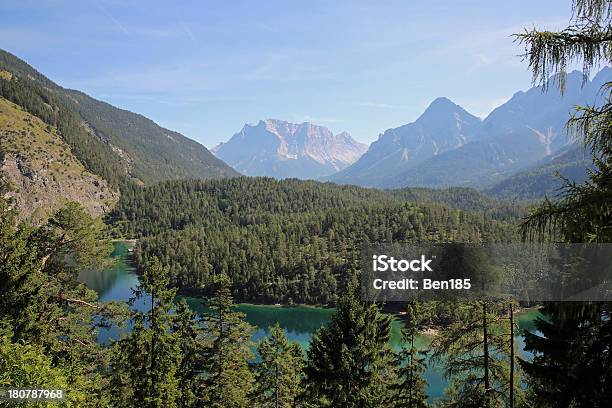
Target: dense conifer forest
(264,240)
(292,241)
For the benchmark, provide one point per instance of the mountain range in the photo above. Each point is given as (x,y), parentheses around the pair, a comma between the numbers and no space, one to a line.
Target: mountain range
(58,144)
(281,149)
(447,146)
(443,127)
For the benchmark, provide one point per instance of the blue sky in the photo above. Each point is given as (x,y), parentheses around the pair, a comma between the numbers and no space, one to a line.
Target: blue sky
(205,68)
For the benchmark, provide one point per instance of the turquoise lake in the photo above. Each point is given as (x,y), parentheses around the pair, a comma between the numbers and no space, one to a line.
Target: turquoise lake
(300,322)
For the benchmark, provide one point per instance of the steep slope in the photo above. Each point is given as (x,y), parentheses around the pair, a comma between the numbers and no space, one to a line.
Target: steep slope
(114,143)
(281,149)
(543,179)
(41,169)
(527,130)
(444,126)
(516,136)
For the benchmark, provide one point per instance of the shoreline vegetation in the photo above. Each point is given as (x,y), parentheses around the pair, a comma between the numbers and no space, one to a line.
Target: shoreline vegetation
(428,331)
(274,242)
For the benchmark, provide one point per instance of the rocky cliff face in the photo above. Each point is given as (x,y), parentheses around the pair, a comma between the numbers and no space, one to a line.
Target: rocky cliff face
(282,149)
(42,172)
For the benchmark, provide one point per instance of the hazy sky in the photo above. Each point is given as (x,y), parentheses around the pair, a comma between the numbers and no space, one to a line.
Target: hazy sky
(205,68)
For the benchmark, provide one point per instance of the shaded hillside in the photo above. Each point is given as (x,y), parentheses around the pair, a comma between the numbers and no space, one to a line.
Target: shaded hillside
(117,144)
(545,178)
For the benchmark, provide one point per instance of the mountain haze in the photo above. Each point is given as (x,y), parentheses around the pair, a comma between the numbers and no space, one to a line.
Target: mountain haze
(451,147)
(442,127)
(281,149)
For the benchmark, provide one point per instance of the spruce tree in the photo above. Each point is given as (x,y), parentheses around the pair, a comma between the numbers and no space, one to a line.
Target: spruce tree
(229,381)
(570,367)
(279,371)
(146,362)
(188,328)
(350,363)
(411,388)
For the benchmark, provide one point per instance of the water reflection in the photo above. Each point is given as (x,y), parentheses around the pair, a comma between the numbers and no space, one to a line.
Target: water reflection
(300,322)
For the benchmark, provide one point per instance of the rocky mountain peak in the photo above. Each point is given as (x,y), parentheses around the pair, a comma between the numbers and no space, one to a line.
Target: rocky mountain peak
(282,149)
(443,111)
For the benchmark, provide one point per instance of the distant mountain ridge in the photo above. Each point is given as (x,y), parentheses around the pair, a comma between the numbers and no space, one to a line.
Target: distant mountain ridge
(281,149)
(444,126)
(546,177)
(451,147)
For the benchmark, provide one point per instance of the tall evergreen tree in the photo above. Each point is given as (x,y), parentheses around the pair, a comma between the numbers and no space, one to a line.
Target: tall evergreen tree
(279,371)
(350,363)
(42,305)
(571,363)
(188,328)
(229,381)
(411,389)
(572,366)
(146,361)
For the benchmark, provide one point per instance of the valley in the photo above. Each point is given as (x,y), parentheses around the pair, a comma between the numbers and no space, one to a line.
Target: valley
(138,268)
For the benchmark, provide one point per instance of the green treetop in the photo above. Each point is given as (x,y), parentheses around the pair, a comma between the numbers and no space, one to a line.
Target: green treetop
(349,360)
(229,381)
(279,371)
(145,365)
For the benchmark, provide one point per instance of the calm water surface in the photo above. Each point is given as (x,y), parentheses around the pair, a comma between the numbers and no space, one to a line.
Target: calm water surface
(300,322)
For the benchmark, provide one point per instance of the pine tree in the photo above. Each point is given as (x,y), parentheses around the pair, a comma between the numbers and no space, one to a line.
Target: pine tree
(571,363)
(350,363)
(146,362)
(279,372)
(187,327)
(475,349)
(229,381)
(42,304)
(576,341)
(411,389)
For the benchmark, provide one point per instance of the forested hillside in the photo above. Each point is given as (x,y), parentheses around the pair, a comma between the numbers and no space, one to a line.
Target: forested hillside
(287,241)
(467,199)
(116,144)
(546,178)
